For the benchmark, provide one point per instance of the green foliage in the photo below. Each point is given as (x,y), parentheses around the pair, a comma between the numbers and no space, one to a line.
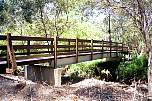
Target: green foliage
(134,69)
(83,69)
(89,70)
(83,30)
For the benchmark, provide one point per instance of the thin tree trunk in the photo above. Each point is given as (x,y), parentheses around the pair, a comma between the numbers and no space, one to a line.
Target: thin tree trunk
(42,20)
(150,75)
(143,27)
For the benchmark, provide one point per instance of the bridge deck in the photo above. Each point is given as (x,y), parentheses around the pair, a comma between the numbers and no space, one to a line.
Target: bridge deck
(49,58)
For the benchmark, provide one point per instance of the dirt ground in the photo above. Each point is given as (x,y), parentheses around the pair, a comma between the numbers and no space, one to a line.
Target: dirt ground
(15,88)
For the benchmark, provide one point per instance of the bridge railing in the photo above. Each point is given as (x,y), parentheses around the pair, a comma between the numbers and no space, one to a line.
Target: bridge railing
(24,47)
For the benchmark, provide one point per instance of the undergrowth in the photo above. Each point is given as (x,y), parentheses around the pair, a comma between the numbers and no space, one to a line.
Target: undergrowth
(90,69)
(86,69)
(124,71)
(135,69)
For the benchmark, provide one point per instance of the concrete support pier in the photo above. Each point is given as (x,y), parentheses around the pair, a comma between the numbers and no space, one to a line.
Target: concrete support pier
(45,74)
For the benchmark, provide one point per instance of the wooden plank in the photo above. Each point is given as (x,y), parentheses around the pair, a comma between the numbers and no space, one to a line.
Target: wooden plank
(65,50)
(27,38)
(21,47)
(34,52)
(33,56)
(97,45)
(84,51)
(83,40)
(67,40)
(34,61)
(65,53)
(97,41)
(65,46)
(83,46)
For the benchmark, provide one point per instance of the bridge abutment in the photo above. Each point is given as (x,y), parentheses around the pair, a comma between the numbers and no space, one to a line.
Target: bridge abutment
(45,74)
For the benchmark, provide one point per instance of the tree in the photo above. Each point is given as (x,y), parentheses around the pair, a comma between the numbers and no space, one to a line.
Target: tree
(140,13)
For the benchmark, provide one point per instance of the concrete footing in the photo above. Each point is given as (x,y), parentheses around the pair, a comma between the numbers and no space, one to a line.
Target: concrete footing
(45,74)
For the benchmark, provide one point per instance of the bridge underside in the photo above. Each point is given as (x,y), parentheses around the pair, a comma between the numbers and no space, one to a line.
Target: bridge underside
(71,59)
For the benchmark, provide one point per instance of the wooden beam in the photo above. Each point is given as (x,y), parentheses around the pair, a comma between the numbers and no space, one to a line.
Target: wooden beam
(28,50)
(10,51)
(77,49)
(55,51)
(110,47)
(102,48)
(66,40)
(91,49)
(26,38)
(22,47)
(69,45)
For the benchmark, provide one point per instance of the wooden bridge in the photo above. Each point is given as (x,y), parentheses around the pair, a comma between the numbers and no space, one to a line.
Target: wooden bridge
(25,50)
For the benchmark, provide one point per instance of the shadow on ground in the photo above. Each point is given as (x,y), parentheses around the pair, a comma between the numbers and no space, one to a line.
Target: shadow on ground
(70,80)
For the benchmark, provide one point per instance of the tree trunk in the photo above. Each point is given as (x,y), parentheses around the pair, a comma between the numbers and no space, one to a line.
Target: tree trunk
(150,75)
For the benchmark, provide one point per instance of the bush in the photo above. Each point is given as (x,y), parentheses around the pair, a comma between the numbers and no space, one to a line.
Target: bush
(87,69)
(134,69)
(90,69)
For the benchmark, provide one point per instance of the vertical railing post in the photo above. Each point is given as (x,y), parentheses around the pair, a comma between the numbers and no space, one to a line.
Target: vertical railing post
(110,47)
(11,56)
(82,46)
(55,51)
(28,50)
(116,49)
(8,60)
(52,46)
(77,50)
(69,45)
(91,49)
(102,47)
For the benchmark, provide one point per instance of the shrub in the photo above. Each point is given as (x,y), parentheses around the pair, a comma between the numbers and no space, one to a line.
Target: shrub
(90,69)
(134,69)
(87,69)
